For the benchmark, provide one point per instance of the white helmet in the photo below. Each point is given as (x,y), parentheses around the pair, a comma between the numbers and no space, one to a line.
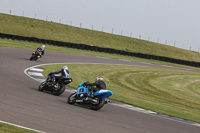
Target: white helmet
(41,48)
(65,67)
(99,78)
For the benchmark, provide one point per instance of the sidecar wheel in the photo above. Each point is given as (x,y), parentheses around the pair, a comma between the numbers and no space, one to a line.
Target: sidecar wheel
(99,105)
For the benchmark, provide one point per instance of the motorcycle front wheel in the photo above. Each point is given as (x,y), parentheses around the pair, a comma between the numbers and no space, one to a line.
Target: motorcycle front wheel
(32,57)
(99,104)
(71,99)
(42,86)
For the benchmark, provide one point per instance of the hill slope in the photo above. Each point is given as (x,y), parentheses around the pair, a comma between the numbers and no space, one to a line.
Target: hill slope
(49,30)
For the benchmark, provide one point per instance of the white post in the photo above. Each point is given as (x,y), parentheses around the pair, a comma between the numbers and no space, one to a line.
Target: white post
(140,36)
(10,12)
(112,30)
(158,40)
(174,44)
(80,25)
(131,34)
(148,38)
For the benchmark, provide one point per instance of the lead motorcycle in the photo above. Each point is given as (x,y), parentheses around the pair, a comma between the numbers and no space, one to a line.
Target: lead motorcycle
(36,55)
(54,85)
(83,96)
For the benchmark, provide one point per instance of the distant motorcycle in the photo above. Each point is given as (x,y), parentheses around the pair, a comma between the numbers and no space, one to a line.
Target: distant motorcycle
(53,86)
(83,96)
(36,55)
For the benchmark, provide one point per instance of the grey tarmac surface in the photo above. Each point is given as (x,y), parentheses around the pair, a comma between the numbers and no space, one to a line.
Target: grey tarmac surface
(22,104)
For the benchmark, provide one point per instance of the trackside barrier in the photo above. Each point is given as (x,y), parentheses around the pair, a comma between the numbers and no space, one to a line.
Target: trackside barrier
(100,49)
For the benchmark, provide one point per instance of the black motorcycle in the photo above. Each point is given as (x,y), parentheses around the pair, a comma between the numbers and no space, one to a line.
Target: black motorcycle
(36,55)
(54,84)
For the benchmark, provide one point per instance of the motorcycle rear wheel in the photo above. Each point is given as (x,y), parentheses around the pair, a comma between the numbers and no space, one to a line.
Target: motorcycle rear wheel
(60,91)
(99,105)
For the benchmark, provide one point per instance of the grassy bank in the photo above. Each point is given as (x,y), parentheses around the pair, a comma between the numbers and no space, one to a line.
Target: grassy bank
(60,32)
(51,48)
(171,92)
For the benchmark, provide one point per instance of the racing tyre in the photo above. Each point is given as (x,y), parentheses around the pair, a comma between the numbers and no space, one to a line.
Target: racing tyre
(60,91)
(42,86)
(99,105)
(71,99)
(32,57)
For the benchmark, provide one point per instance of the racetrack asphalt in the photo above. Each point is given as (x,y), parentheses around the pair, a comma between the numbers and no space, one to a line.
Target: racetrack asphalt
(22,104)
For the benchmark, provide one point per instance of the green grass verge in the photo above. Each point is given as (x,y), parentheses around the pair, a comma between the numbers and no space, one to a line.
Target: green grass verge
(29,45)
(6,128)
(170,92)
(48,30)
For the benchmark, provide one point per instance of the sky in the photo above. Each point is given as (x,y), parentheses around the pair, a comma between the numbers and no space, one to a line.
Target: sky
(170,22)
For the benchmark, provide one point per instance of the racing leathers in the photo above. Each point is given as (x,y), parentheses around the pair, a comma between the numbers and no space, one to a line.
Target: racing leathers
(64,74)
(41,49)
(100,84)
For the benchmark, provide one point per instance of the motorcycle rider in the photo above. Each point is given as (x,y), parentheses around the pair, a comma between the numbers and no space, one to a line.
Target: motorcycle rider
(41,49)
(64,74)
(99,83)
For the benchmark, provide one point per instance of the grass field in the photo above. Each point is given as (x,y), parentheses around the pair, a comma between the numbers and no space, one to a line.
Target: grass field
(171,92)
(60,32)
(6,128)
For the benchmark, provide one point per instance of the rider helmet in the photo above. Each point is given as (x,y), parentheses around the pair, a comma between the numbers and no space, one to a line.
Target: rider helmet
(99,78)
(65,68)
(43,46)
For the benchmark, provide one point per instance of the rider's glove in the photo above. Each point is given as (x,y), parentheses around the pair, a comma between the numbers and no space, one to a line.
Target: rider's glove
(86,83)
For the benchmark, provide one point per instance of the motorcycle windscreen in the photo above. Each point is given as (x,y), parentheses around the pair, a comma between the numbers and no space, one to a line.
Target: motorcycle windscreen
(104,93)
(81,84)
(82,89)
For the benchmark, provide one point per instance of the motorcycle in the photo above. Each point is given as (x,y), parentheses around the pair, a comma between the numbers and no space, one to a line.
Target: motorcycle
(54,85)
(83,96)
(36,55)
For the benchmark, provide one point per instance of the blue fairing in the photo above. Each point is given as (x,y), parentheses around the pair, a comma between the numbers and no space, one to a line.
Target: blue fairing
(81,84)
(81,89)
(104,93)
